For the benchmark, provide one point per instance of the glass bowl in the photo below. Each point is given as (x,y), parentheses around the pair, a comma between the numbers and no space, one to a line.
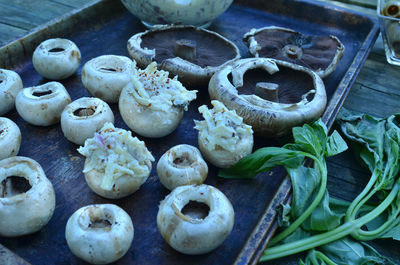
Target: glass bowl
(390,29)
(198,13)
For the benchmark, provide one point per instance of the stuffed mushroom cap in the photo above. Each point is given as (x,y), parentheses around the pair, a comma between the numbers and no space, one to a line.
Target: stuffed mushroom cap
(193,54)
(319,53)
(271,95)
(152,104)
(116,163)
(223,136)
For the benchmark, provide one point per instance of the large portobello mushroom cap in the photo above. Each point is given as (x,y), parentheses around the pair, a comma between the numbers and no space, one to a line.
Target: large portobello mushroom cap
(194,54)
(274,102)
(319,53)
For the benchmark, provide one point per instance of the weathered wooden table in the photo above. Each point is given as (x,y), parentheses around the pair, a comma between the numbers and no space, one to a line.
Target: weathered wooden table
(376,92)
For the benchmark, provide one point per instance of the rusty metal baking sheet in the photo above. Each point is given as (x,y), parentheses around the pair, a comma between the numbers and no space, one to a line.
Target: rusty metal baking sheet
(104,28)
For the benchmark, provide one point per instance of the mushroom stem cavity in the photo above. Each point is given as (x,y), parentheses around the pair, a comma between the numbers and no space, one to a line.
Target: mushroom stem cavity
(268,91)
(14,185)
(183,159)
(97,218)
(57,49)
(196,210)
(186,49)
(42,93)
(84,112)
(108,69)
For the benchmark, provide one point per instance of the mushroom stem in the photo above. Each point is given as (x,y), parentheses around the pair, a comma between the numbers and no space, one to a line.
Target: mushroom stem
(292,51)
(267,91)
(186,49)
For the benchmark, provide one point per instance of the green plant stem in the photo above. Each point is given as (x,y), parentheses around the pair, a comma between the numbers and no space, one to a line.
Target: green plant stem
(324,258)
(324,179)
(330,236)
(350,213)
(308,243)
(373,234)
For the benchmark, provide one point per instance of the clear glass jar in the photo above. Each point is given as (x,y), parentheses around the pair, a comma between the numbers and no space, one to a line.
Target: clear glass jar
(389,21)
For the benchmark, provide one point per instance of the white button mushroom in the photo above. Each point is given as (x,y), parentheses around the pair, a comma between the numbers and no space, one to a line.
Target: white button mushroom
(42,105)
(195,219)
(83,117)
(99,233)
(105,76)
(56,59)
(10,138)
(223,137)
(181,165)
(27,198)
(10,85)
(152,104)
(116,164)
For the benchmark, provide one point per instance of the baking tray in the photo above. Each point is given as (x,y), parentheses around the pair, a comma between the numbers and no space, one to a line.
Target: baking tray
(103,27)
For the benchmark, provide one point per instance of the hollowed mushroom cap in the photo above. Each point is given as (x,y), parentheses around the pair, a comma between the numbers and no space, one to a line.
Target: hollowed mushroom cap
(99,233)
(56,59)
(181,165)
(27,198)
(319,53)
(116,163)
(105,76)
(83,117)
(270,99)
(187,233)
(10,138)
(10,85)
(194,54)
(42,105)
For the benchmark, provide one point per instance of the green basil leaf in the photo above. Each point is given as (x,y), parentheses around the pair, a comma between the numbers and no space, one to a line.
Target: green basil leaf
(305,185)
(349,252)
(323,218)
(262,160)
(311,139)
(298,234)
(335,144)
